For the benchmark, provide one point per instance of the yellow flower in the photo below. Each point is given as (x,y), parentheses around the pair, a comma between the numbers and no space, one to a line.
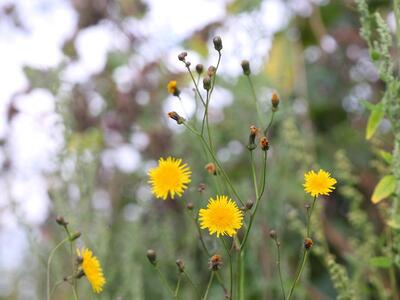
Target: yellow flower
(92,269)
(222,216)
(172,87)
(320,183)
(170,177)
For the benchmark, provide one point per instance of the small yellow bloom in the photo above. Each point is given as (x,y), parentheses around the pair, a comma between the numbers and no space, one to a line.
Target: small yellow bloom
(92,269)
(222,216)
(172,87)
(320,183)
(170,177)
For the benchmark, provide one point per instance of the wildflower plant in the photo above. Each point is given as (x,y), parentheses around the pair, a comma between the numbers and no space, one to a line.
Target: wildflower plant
(224,225)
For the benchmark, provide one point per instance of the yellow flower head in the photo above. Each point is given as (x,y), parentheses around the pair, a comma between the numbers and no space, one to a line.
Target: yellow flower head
(170,177)
(172,87)
(222,216)
(91,267)
(320,183)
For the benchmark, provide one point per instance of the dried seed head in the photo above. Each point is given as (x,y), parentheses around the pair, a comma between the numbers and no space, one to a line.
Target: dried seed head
(275,100)
(211,168)
(308,243)
(246,67)
(211,71)
(215,262)
(217,43)
(207,83)
(174,116)
(201,188)
(182,56)
(264,143)
(199,69)
(152,256)
(181,265)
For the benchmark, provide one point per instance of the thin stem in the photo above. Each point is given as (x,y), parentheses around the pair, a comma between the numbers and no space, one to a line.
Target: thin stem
(209,285)
(164,280)
(56,285)
(191,282)
(270,123)
(230,267)
(74,292)
(196,86)
(203,123)
(306,250)
(49,263)
(253,171)
(221,282)
(278,263)
(253,92)
(257,201)
(178,285)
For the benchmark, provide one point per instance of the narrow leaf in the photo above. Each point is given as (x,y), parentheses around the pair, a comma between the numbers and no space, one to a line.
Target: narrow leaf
(373,122)
(384,188)
(380,262)
(387,156)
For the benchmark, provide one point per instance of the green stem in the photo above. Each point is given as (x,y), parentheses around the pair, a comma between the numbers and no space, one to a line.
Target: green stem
(253,92)
(49,263)
(257,201)
(299,271)
(209,285)
(164,281)
(74,292)
(196,86)
(221,283)
(192,283)
(178,285)
(230,267)
(278,263)
(309,213)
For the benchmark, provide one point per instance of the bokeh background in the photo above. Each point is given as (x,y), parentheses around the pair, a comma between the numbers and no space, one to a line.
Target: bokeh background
(83,105)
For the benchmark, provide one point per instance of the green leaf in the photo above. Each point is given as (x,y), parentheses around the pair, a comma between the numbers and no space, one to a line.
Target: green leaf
(380,262)
(373,121)
(384,188)
(368,105)
(387,156)
(394,222)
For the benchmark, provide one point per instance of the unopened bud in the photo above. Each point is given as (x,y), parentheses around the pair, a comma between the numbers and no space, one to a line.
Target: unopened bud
(249,204)
(272,234)
(308,243)
(181,265)
(211,71)
(199,69)
(275,100)
(215,262)
(217,43)
(264,143)
(61,221)
(174,116)
(75,236)
(152,256)
(182,56)
(207,83)
(190,206)
(211,168)
(252,137)
(246,67)
(187,64)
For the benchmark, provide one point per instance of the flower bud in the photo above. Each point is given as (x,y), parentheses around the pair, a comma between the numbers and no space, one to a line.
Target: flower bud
(246,67)
(182,56)
(215,262)
(181,265)
(252,137)
(264,143)
(272,234)
(199,69)
(217,43)
(211,71)
(75,236)
(172,88)
(152,256)
(249,204)
(275,100)
(207,83)
(308,243)
(61,221)
(211,168)
(190,206)
(175,116)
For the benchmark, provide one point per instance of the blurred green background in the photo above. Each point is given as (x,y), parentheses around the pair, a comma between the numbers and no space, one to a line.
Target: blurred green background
(88,119)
